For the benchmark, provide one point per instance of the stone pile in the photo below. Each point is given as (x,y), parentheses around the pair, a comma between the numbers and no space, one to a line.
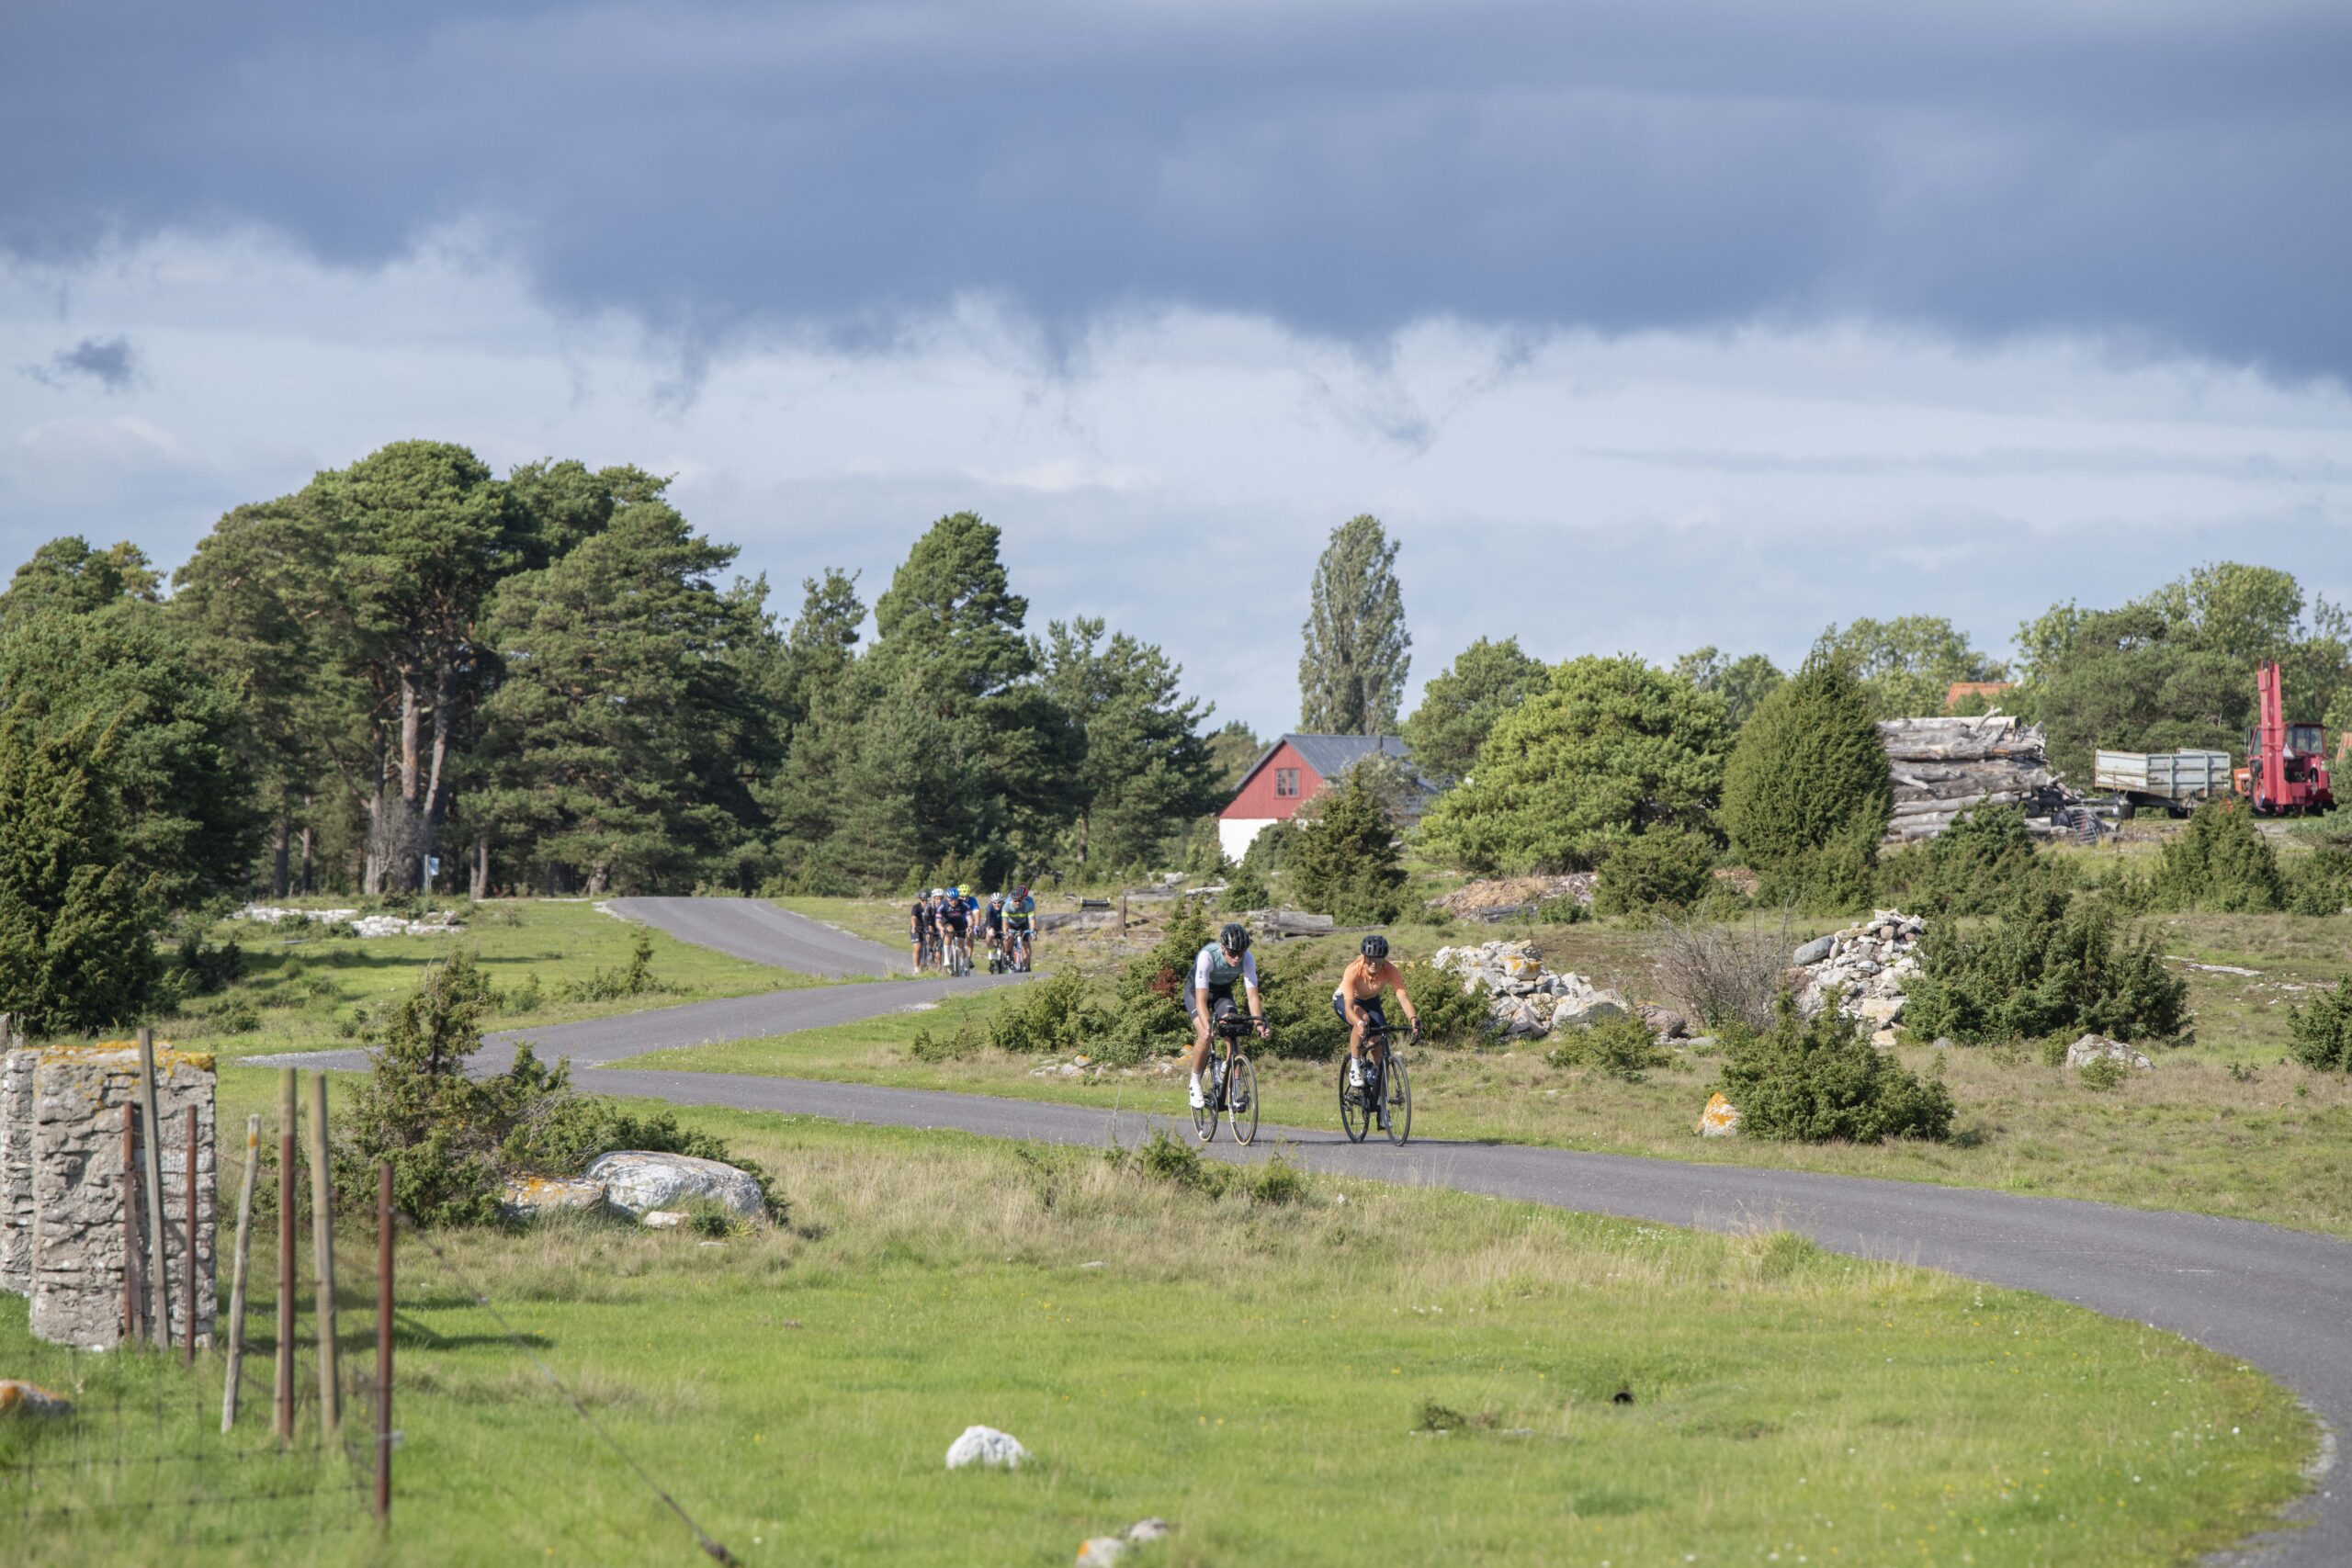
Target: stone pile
(441,922)
(1941,767)
(1524,1000)
(1868,963)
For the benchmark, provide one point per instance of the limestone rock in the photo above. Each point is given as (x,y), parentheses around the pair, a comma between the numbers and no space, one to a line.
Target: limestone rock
(1720,1119)
(1665,1022)
(663,1219)
(1100,1549)
(1149,1530)
(30,1399)
(2095,1047)
(1814,951)
(1584,1011)
(637,1181)
(987,1447)
(527,1196)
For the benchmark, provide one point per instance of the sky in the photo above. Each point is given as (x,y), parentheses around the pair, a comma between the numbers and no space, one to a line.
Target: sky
(1642,326)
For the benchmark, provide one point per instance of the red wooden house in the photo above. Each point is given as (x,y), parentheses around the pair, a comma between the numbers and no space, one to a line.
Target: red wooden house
(1287,775)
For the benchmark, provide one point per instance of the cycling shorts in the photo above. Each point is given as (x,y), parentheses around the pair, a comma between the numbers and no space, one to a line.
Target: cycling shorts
(1339,1005)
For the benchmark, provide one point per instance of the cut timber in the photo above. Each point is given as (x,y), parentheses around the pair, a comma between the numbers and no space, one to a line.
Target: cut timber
(1942,767)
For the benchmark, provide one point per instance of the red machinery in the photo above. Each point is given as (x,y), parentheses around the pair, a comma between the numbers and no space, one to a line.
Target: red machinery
(2285,763)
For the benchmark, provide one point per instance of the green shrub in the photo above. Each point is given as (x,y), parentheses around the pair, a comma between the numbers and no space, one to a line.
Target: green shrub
(1295,982)
(1811,1080)
(199,969)
(1179,1163)
(1345,863)
(1981,864)
(1246,889)
(1275,1183)
(1666,869)
(454,1140)
(2321,883)
(1054,1014)
(935,1048)
(1269,852)
(1806,795)
(1624,1048)
(1609,749)
(2102,1074)
(2220,861)
(2320,1035)
(2052,963)
(636,979)
(1449,1015)
(1567,910)
(1147,1015)
(232,1015)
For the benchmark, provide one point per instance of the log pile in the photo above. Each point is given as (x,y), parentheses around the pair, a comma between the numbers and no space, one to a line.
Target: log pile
(1941,767)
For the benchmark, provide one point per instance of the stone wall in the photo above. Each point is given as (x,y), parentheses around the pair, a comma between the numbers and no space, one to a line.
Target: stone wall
(61,1141)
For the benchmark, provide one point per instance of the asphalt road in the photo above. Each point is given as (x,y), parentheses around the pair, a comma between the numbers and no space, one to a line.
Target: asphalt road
(756,930)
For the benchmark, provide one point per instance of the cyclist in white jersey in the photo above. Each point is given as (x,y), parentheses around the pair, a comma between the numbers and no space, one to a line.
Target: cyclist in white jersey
(1208,994)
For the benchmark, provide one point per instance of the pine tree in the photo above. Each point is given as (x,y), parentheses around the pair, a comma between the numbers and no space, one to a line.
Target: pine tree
(1808,780)
(1142,769)
(1485,682)
(1351,673)
(1345,863)
(76,948)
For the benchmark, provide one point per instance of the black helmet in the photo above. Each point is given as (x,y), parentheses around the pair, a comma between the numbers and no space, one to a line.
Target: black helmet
(1375,947)
(1234,938)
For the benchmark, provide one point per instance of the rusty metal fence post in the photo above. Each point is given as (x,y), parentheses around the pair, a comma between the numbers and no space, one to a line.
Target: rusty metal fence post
(322,1262)
(284,1391)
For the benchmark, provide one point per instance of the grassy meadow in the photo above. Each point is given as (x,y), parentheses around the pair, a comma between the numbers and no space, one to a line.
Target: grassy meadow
(1317,1370)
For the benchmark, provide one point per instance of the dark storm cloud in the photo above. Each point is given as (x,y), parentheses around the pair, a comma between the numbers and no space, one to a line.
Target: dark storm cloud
(2169,174)
(107,361)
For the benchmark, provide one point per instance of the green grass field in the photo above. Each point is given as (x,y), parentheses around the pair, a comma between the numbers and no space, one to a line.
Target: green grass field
(2224,1125)
(1360,1373)
(310,991)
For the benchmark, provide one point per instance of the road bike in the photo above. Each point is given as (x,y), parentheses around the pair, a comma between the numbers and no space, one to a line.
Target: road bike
(1000,960)
(1016,941)
(932,957)
(1386,1097)
(959,956)
(1234,1090)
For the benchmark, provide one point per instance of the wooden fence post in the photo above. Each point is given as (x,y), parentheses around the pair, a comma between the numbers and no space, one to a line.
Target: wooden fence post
(322,1260)
(159,1286)
(284,1389)
(237,1275)
(384,1223)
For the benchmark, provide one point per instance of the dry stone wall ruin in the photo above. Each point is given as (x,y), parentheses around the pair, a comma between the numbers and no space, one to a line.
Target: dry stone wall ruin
(69,1219)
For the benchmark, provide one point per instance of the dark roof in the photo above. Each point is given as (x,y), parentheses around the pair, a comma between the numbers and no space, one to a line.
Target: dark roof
(1329,755)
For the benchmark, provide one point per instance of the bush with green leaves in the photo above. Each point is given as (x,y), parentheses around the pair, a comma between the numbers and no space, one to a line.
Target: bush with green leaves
(1812,1080)
(1295,984)
(1345,862)
(1610,749)
(1624,1048)
(1269,851)
(635,979)
(1981,864)
(964,1042)
(1055,1015)
(1449,1014)
(1246,889)
(1663,871)
(1807,795)
(454,1140)
(2321,883)
(2319,1034)
(2052,963)
(2220,861)
(1147,1009)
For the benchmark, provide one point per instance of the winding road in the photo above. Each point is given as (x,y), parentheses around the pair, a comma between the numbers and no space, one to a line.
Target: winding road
(2278,1299)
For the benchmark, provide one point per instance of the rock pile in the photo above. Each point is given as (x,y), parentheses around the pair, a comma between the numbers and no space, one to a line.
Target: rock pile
(441,922)
(1868,963)
(1524,1000)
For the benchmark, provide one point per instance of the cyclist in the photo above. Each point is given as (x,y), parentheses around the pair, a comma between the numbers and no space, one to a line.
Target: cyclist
(954,925)
(992,927)
(1020,921)
(918,927)
(1220,966)
(1357,1001)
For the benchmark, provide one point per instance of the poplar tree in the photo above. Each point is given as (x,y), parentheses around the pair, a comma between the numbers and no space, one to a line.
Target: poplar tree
(1352,674)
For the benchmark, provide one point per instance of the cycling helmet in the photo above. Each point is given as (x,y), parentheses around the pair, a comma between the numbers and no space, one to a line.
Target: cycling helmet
(1022,891)
(963,890)
(1375,947)
(996,900)
(939,893)
(1234,938)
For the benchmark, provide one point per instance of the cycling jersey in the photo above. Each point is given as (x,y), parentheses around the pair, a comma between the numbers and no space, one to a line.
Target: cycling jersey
(992,922)
(953,916)
(1215,973)
(922,916)
(1018,913)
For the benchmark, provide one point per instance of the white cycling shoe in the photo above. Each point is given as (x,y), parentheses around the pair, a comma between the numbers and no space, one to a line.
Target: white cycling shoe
(1200,1099)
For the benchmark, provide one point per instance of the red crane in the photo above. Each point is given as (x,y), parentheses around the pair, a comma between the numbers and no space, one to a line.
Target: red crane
(2285,763)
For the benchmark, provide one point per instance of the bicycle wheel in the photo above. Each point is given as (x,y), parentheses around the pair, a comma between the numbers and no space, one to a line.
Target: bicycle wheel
(1355,1111)
(1241,1099)
(1399,1088)
(1204,1116)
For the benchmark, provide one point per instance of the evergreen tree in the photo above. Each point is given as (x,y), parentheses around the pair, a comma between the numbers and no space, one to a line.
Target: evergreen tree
(76,948)
(1351,673)
(1345,862)
(1143,768)
(1808,778)
(67,576)
(622,740)
(1611,748)
(1741,683)
(951,614)
(1232,749)
(1458,708)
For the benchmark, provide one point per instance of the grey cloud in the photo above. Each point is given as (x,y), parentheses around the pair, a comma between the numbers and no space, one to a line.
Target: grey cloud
(107,361)
(2169,174)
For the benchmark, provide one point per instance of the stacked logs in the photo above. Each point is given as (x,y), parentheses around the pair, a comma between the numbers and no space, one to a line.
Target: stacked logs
(1941,767)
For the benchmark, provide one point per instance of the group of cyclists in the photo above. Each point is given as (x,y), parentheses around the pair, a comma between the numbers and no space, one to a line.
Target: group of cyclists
(944,923)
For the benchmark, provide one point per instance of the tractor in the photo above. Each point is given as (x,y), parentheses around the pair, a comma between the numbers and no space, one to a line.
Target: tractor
(2285,763)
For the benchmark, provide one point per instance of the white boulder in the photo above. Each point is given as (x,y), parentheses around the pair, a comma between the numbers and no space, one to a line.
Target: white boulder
(987,1447)
(527,1196)
(2098,1047)
(639,1181)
